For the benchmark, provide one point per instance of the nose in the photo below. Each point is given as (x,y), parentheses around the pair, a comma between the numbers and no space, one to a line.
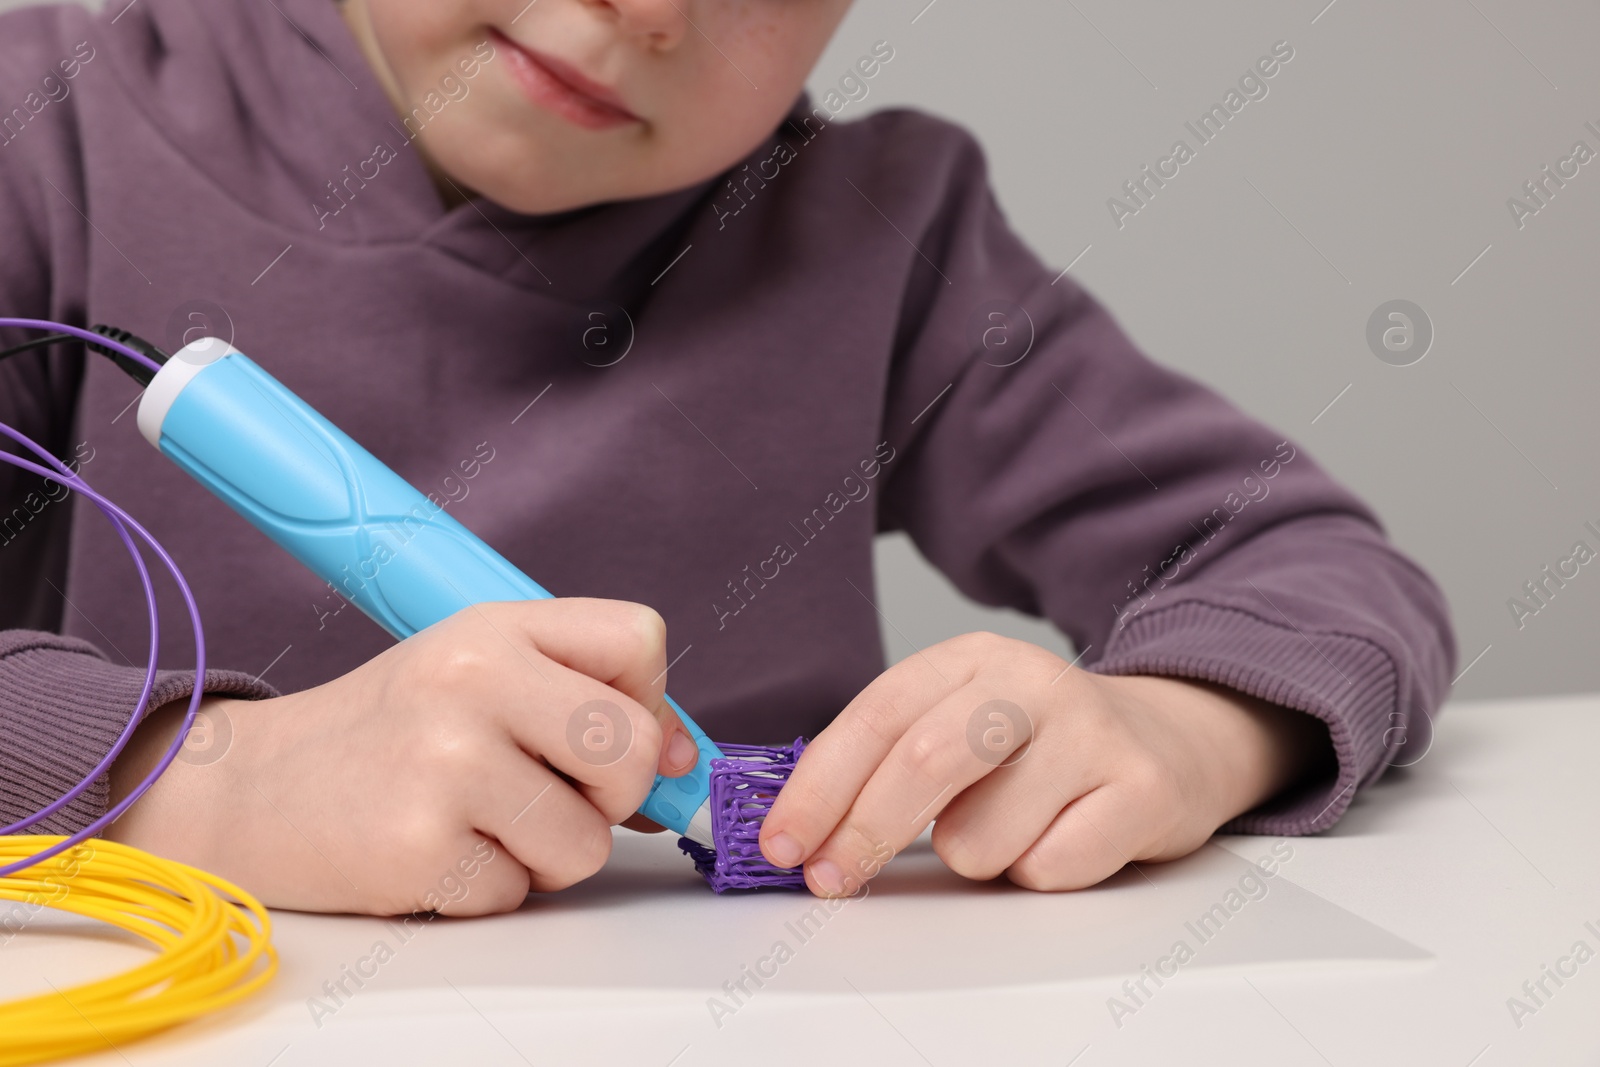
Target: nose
(661,24)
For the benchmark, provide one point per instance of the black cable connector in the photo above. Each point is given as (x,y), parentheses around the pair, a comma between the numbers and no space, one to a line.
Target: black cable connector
(135,370)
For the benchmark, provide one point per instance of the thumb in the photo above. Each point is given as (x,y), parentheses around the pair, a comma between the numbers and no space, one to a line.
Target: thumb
(679,753)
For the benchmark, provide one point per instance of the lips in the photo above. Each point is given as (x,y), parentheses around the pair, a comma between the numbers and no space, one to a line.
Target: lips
(558,86)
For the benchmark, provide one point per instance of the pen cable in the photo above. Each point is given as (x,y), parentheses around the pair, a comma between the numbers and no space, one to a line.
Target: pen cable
(126,351)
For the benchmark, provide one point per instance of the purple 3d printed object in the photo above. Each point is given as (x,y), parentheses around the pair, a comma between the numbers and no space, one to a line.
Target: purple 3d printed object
(743,786)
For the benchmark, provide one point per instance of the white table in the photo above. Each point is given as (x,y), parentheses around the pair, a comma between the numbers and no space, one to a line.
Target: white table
(1396,938)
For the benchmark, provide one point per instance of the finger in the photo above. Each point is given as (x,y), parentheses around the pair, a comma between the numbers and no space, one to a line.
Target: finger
(604,743)
(486,879)
(583,727)
(642,824)
(621,644)
(931,764)
(679,753)
(613,641)
(840,760)
(992,823)
(1093,838)
(546,825)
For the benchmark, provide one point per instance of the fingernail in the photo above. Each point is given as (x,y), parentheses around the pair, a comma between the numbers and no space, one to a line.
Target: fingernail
(784,850)
(681,751)
(828,877)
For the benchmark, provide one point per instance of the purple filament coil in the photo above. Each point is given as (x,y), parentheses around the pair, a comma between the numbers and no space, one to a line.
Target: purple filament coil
(744,783)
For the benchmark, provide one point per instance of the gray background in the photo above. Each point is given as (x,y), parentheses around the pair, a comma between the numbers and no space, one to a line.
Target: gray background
(1377,167)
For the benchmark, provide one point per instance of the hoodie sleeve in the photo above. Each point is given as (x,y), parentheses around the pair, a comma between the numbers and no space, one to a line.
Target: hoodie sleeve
(62,702)
(1051,467)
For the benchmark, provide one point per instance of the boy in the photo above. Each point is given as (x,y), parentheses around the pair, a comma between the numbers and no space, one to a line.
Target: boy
(661,330)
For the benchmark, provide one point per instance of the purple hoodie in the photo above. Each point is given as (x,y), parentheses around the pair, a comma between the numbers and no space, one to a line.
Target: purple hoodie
(708,401)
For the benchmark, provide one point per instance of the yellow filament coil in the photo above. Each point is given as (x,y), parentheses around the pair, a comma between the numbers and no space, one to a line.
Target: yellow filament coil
(214,944)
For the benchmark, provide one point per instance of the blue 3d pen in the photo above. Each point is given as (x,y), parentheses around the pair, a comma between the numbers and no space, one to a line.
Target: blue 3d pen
(303,482)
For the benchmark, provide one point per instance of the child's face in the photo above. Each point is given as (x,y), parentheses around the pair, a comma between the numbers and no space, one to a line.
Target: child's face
(695,85)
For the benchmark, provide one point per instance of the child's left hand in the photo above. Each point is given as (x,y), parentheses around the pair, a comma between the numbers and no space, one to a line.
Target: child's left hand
(1055,777)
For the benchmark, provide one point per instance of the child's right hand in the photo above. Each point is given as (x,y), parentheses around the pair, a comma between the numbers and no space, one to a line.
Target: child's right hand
(535,725)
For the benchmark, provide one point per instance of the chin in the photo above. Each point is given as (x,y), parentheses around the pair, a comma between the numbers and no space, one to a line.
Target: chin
(540,201)
(534,191)
(516,171)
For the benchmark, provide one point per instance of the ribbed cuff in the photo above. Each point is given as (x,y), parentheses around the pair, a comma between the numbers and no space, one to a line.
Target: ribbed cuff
(1347,681)
(62,707)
